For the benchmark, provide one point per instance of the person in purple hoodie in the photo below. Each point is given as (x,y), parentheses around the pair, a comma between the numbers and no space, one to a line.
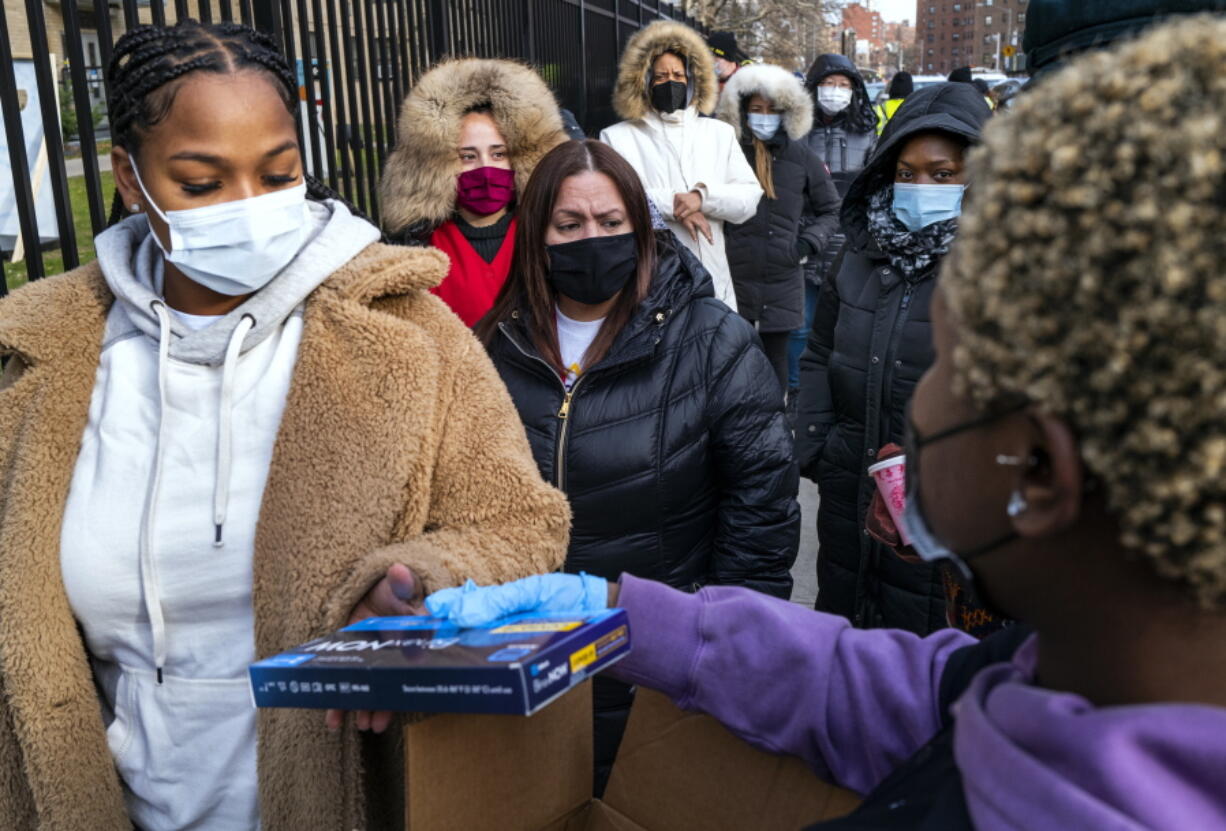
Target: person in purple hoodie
(1066,453)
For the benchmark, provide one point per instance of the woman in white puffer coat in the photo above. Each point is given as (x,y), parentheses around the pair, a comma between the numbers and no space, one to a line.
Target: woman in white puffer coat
(692,167)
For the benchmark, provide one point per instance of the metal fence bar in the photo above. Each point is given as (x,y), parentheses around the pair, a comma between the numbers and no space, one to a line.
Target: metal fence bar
(157,9)
(131,14)
(27,218)
(85,120)
(246,12)
(325,90)
(388,80)
(181,10)
(52,139)
(227,11)
(353,89)
(106,44)
(364,92)
(308,86)
(339,74)
(372,102)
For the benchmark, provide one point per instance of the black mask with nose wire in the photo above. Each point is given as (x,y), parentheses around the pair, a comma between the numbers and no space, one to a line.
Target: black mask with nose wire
(923,540)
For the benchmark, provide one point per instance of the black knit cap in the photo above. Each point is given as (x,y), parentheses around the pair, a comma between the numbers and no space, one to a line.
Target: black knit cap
(961,74)
(901,85)
(723,45)
(1056,29)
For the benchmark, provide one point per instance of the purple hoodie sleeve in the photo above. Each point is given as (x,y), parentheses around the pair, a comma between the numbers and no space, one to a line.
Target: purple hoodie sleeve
(852,703)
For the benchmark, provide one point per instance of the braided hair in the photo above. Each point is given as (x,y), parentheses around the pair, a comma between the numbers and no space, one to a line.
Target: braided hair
(150,62)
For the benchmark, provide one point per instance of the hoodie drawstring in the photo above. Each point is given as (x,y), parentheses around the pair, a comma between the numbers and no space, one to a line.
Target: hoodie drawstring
(225,418)
(221,485)
(148,566)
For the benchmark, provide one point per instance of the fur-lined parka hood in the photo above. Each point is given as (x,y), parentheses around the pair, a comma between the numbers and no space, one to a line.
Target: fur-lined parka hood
(783,89)
(419,184)
(649,43)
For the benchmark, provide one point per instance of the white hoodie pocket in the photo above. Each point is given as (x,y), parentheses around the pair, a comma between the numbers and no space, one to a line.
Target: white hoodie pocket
(119,732)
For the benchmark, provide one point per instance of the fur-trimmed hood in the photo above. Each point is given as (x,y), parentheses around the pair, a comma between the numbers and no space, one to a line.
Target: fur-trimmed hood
(783,89)
(419,183)
(649,43)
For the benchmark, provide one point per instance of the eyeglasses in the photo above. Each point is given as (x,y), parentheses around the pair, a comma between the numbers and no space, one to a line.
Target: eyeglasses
(913,442)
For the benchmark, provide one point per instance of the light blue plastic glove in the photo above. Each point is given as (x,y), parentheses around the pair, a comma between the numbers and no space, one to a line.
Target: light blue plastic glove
(472,605)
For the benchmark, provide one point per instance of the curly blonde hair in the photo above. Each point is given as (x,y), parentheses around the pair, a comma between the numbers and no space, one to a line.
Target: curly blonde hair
(1090,278)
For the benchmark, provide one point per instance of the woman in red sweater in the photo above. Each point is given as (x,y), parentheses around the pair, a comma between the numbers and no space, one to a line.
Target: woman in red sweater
(470,132)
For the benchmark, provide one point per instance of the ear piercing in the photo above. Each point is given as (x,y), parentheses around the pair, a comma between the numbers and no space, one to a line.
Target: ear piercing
(135,208)
(1017,505)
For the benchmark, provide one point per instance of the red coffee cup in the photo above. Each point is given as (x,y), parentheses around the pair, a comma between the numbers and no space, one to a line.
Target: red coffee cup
(891,478)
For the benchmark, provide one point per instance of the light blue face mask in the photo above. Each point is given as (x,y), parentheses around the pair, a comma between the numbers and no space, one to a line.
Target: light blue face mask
(763,125)
(918,206)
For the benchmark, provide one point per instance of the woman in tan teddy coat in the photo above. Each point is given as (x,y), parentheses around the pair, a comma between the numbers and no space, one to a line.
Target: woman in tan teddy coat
(243,426)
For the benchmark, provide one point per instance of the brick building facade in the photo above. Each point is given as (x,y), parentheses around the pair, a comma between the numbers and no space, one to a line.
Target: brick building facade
(969,33)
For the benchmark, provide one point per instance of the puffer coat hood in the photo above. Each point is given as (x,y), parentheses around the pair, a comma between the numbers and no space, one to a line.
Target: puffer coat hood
(630,93)
(859,116)
(775,83)
(950,108)
(674,453)
(419,183)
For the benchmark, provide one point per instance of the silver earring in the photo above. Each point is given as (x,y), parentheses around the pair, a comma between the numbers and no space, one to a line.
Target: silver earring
(1017,505)
(135,207)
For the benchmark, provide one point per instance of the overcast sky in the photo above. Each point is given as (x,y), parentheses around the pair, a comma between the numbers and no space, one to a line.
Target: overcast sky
(894,10)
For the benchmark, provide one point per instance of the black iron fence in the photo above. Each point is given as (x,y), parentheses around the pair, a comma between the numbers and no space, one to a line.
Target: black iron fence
(355,60)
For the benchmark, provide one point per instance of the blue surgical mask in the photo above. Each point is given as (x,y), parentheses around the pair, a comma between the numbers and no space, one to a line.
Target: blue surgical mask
(236,247)
(764,126)
(918,206)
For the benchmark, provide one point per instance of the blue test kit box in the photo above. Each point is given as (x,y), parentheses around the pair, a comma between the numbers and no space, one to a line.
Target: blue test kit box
(516,665)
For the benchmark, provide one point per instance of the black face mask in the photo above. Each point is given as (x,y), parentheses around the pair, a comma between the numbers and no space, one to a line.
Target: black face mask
(668,96)
(592,270)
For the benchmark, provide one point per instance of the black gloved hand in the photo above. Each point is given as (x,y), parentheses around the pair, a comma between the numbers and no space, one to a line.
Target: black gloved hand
(803,249)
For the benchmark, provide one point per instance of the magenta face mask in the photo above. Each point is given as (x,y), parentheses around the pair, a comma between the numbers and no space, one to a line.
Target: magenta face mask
(485,190)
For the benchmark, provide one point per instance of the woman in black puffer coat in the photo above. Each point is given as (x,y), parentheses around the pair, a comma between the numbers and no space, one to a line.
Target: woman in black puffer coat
(771,113)
(843,137)
(871,341)
(674,454)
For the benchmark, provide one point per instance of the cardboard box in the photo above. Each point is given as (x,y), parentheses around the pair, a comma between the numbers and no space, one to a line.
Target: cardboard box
(675,771)
(422,664)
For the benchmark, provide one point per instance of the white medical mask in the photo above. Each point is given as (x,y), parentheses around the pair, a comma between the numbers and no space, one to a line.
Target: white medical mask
(833,99)
(764,125)
(918,206)
(237,247)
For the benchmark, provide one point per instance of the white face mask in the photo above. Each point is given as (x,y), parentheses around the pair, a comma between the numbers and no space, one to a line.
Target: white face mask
(833,99)
(764,125)
(235,248)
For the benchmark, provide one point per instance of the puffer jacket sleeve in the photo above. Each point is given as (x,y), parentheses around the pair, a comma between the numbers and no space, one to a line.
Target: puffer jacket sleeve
(491,517)
(736,198)
(758,528)
(815,410)
(819,220)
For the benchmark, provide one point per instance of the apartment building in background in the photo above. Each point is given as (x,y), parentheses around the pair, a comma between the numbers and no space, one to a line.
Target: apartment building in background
(979,33)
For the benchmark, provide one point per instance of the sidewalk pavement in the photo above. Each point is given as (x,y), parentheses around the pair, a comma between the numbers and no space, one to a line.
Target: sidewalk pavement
(76,167)
(804,572)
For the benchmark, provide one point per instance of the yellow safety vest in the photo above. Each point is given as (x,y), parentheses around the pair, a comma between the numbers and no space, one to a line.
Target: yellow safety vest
(886,110)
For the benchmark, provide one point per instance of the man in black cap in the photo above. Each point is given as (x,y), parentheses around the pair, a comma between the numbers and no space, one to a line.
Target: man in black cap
(962,74)
(728,56)
(1058,29)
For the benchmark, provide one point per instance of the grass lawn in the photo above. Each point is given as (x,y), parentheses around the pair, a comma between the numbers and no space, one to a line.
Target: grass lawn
(53,261)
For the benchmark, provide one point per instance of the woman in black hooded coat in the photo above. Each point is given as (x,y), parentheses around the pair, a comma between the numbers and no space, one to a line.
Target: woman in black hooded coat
(771,113)
(843,137)
(871,341)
